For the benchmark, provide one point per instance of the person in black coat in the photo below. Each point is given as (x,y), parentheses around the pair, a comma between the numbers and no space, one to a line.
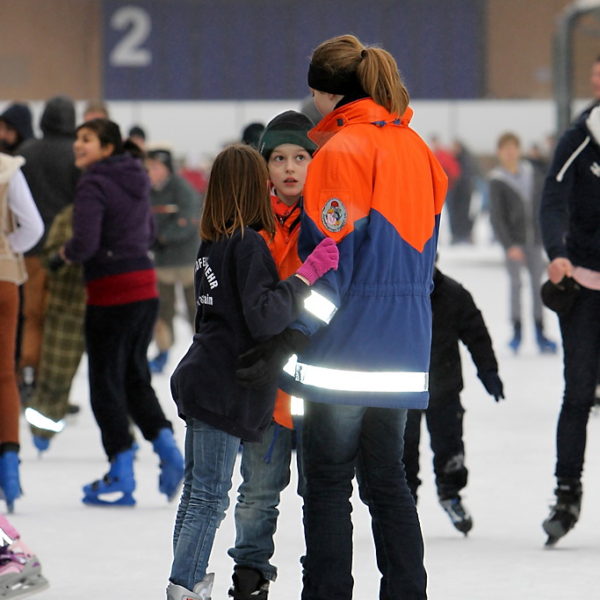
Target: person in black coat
(570,225)
(455,318)
(51,174)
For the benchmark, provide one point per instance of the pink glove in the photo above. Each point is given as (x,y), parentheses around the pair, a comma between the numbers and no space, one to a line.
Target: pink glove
(322,259)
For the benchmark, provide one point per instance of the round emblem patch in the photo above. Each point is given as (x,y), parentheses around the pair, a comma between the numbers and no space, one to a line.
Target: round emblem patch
(334,215)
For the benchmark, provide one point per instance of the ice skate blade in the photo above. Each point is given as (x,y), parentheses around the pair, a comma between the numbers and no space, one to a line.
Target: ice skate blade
(125,500)
(26,588)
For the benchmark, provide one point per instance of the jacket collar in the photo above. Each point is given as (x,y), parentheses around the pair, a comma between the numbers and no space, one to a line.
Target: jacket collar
(364,110)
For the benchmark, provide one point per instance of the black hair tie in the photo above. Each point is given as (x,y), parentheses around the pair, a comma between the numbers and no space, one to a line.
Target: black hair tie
(363,54)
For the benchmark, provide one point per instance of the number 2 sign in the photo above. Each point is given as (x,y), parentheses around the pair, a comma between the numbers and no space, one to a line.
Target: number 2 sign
(136,24)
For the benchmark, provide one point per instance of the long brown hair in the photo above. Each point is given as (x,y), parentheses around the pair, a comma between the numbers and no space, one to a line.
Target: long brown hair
(375,68)
(237,195)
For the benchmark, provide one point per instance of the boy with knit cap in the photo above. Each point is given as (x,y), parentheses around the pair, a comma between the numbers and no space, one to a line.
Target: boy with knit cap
(265,466)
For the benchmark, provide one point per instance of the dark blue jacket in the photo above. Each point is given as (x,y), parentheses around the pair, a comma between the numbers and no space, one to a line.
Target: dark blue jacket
(113,227)
(240,302)
(570,211)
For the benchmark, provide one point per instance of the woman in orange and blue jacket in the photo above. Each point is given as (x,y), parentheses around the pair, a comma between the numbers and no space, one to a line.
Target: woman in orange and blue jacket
(377,190)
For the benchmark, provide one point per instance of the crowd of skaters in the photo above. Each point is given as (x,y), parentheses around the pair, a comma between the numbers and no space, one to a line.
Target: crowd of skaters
(49,342)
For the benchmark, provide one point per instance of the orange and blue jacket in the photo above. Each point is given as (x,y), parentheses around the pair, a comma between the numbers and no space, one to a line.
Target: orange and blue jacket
(376,189)
(284,249)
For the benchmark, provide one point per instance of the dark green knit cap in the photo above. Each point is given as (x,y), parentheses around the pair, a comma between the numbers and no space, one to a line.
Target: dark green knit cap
(290,127)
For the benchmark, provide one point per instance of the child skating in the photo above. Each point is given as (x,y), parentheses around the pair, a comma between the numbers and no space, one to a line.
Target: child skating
(455,318)
(265,466)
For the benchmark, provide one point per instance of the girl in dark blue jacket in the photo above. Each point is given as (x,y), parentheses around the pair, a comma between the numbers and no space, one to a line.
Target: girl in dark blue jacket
(240,302)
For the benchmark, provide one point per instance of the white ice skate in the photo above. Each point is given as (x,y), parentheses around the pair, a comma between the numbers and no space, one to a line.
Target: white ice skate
(202,590)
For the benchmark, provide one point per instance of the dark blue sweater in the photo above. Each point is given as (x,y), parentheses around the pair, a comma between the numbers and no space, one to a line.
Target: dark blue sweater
(240,302)
(570,210)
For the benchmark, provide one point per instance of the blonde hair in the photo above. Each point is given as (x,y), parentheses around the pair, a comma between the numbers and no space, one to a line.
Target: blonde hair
(375,68)
(237,195)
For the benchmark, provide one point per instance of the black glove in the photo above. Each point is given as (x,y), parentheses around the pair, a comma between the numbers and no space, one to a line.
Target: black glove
(55,262)
(493,384)
(263,364)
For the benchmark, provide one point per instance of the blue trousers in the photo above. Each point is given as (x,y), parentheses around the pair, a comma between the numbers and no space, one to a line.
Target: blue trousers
(266,473)
(209,460)
(339,440)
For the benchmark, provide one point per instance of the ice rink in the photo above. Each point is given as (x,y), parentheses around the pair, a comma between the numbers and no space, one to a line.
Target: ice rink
(123,553)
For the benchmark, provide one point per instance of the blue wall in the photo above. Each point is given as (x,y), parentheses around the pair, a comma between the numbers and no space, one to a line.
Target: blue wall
(259,49)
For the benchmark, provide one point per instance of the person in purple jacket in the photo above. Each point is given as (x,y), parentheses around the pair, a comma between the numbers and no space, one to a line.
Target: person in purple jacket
(112,233)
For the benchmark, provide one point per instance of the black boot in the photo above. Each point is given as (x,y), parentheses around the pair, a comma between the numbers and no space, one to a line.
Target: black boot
(248,584)
(565,513)
(459,515)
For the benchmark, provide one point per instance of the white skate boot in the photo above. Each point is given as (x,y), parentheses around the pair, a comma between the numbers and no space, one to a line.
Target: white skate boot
(202,590)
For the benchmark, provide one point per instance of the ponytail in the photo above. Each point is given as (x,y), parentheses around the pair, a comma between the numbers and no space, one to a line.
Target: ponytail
(378,74)
(342,62)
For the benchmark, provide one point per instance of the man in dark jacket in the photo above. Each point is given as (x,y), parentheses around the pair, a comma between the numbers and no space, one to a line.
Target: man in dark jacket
(455,317)
(176,207)
(570,222)
(15,127)
(51,175)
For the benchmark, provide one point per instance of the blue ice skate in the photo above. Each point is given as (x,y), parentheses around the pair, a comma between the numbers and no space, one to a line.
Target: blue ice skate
(171,463)
(116,487)
(9,478)
(158,363)
(545,345)
(515,342)
(41,443)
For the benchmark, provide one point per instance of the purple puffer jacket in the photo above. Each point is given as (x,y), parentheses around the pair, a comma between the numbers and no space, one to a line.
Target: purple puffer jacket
(113,227)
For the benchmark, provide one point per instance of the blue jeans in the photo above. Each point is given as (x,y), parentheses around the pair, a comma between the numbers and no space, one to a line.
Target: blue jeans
(209,460)
(266,473)
(337,441)
(580,329)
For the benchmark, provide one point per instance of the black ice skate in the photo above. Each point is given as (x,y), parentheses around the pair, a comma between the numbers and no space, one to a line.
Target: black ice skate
(565,513)
(248,584)
(459,515)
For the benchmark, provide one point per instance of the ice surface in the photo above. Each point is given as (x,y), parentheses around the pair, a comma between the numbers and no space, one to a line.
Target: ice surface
(114,554)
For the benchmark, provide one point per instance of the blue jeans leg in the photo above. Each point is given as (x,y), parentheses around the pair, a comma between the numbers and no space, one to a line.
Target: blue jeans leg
(209,460)
(266,473)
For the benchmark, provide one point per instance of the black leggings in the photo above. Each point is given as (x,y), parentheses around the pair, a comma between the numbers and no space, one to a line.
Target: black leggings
(117,339)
